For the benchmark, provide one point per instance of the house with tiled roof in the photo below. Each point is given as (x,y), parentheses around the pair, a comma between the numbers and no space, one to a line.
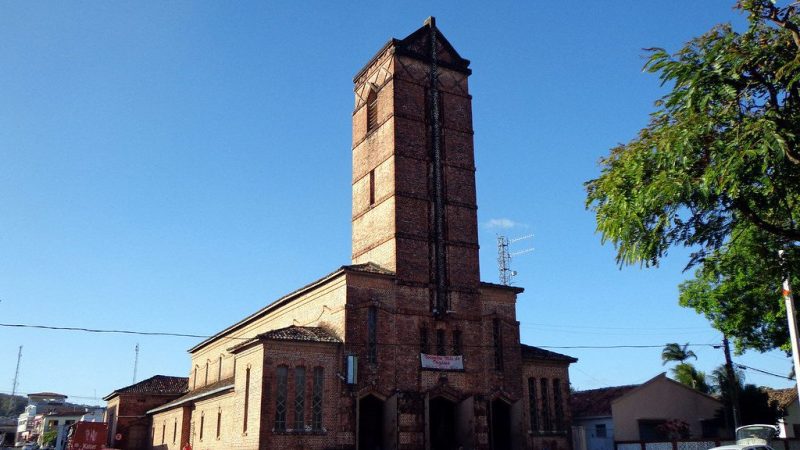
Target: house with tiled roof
(640,412)
(126,413)
(788,408)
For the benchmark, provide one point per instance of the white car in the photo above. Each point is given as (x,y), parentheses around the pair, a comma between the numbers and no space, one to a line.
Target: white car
(752,437)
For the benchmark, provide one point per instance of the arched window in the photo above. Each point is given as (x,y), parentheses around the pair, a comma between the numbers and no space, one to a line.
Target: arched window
(533,410)
(372,110)
(281,388)
(316,400)
(299,397)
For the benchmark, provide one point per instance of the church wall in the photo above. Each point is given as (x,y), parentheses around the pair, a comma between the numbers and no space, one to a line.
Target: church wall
(537,434)
(207,413)
(245,424)
(309,356)
(321,306)
(170,429)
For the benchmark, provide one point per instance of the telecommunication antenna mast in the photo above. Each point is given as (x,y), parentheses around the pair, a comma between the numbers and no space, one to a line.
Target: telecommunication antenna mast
(135,362)
(504,256)
(16,379)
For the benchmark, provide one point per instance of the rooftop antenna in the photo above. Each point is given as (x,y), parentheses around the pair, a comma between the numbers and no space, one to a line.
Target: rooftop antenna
(504,256)
(135,362)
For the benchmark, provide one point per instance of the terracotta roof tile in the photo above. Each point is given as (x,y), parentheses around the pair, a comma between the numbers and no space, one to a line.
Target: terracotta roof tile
(295,333)
(597,402)
(531,352)
(783,398)
(221,385)
(159,385)
(47,394)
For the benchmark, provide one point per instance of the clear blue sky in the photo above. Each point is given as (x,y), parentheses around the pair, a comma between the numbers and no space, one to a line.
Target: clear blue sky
(174,166)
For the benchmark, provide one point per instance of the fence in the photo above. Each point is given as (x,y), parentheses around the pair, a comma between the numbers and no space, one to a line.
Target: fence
(702,444)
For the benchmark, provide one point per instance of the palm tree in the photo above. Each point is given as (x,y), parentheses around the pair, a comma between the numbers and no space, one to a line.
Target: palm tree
(686,374)
(674,352)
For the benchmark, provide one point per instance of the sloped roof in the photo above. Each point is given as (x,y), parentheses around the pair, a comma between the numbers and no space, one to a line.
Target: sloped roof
(197,394)
(292,333)
(369,268)
(418,45)
(47,394)
(597,402)
(783,398)
(155,385)
(295,333)
(531,352)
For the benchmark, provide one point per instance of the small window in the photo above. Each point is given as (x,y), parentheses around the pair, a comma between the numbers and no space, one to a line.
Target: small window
(372,110)
(163,432)
(202,424)
(174,430)
(600,430)
(206,380)
(440,344)
(219,421)
(219,369)
(372,187)
(372,334)
(423,340)
(497,339)
(457,348)
(246,399)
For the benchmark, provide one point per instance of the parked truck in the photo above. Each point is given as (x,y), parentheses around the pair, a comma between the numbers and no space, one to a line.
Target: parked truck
(87,436)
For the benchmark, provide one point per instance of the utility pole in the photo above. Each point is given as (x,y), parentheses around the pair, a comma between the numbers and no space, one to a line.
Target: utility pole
(792,317)
(733,383)
(135,362)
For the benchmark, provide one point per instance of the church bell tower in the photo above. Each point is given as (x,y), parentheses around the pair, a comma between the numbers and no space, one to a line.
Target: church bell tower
(414,201)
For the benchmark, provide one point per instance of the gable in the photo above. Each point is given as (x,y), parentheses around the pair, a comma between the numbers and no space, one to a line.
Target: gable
(418,45)
(662,397)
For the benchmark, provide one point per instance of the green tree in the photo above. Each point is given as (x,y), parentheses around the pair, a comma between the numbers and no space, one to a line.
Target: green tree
(688,375)
(674,352)
(49,438)
(717,170)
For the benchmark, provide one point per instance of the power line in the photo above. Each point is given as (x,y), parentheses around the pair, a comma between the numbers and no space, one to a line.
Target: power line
(742,366)
(617,346)
(160,333)
(96,330)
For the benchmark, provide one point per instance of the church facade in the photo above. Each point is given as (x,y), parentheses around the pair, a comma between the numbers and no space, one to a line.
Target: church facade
(405,348)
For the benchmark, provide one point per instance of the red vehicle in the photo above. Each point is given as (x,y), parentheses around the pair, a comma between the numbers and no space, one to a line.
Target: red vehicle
(87,436)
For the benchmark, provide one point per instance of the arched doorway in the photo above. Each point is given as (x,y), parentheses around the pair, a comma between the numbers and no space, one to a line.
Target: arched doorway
(370,423)
(500,425)
(442,424)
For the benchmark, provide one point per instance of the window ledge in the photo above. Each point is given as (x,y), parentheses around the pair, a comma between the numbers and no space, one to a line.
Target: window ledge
(547,433)
(306,432)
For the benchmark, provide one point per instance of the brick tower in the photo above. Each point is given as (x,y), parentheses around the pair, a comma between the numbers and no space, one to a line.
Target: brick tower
(414,202)
(405,348)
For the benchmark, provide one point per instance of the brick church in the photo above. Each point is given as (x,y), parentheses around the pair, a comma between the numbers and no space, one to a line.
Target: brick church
(406,348)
